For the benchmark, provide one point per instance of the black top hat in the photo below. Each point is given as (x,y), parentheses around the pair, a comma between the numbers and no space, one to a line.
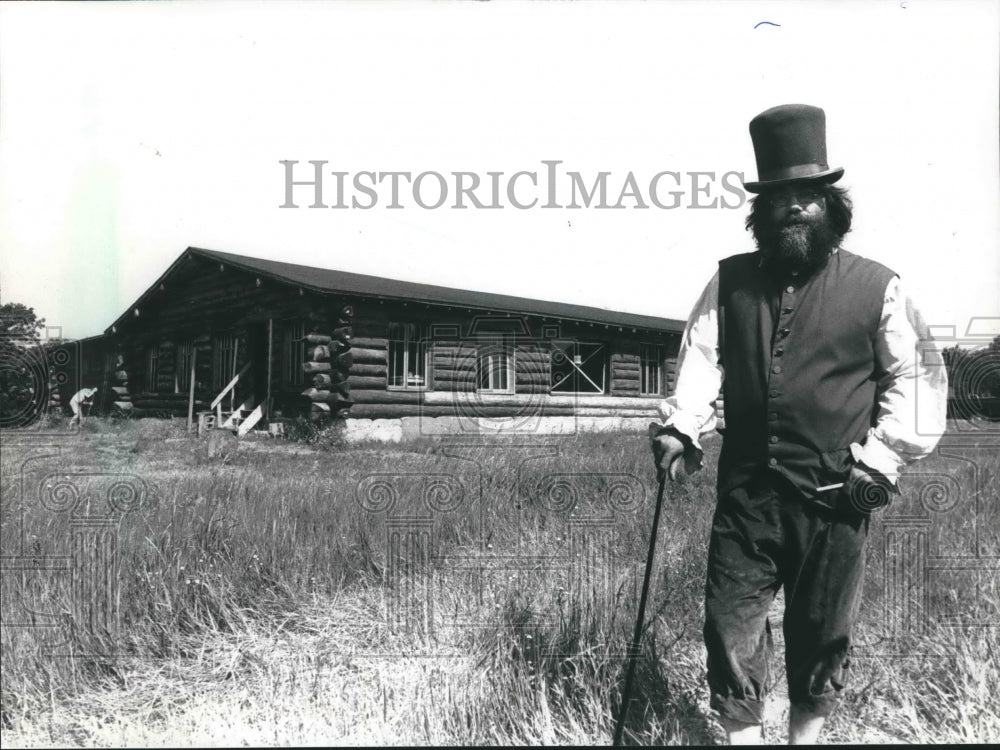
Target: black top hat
(789,142)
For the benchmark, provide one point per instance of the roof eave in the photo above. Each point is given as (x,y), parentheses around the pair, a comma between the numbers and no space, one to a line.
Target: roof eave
(670,327)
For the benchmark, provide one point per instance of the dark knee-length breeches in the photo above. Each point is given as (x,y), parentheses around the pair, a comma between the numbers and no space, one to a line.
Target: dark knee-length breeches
(765,536)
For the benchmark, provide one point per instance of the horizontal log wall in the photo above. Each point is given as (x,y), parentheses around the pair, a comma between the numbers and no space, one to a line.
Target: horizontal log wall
(201,302)
(670,374)
(454,360)
(626,369)
(174,405)
(394,404)
(625,366)
(454,366)
(532,368)
(393,411)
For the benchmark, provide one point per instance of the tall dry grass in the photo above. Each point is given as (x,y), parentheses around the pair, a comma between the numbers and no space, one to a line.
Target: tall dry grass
(254,606)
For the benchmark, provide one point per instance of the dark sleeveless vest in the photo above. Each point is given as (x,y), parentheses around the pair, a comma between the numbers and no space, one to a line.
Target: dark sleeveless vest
(799,367)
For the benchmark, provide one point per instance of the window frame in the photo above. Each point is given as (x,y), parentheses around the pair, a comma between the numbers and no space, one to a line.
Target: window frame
(152,367)
(221,354)
(655,361)
(293,352)
(488,352)
(182,366)
(412,336)
(601,350)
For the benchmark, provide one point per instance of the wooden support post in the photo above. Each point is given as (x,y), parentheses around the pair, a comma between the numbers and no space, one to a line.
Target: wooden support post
(232,393)
(194,355)
(270,352)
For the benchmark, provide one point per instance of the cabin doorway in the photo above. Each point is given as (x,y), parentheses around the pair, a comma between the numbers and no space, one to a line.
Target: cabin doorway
(259,342)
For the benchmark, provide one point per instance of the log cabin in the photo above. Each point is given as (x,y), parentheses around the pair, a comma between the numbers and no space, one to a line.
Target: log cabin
(242,342)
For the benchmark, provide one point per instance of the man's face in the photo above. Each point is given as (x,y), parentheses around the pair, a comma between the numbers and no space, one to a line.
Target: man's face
(796,204)
(798,234)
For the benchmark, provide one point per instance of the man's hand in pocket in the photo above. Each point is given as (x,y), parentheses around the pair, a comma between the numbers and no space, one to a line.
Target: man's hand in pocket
(868,489)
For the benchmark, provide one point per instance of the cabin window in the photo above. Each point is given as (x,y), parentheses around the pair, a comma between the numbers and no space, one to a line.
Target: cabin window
(294,354)
(182,369)
(495,370)
(578,367)
(408,361)
(223,360)
(152,367)
(650,370)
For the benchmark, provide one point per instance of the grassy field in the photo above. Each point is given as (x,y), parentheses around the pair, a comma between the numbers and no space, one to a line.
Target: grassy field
(258,601)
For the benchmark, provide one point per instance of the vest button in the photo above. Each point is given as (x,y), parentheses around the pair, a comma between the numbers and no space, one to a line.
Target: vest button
(774,393)
(790,289)
(784,331)
(778,352)
(772,416)
(776,369)
(786,310)
(773,462)
(773,439)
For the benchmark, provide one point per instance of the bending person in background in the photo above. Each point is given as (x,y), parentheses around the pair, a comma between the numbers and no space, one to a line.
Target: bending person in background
(83,397)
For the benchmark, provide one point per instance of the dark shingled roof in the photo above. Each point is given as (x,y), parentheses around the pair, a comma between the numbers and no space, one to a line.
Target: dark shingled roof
(344,282)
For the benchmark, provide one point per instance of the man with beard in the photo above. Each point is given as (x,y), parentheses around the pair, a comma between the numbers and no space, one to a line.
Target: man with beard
(815,350)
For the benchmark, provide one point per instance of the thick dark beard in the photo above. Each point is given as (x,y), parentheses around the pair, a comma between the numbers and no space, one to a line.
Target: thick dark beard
(800,244)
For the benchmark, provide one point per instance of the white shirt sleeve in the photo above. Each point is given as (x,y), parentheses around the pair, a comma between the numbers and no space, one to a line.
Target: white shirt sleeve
(912,389)
(82,395)
(691,408)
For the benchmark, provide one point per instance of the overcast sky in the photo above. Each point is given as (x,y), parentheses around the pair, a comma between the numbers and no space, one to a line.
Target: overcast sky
(129,132)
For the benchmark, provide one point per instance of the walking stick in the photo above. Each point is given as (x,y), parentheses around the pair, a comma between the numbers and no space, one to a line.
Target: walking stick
(633,651)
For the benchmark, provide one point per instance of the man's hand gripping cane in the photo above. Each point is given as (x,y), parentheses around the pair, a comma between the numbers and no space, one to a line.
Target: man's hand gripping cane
(673,452)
